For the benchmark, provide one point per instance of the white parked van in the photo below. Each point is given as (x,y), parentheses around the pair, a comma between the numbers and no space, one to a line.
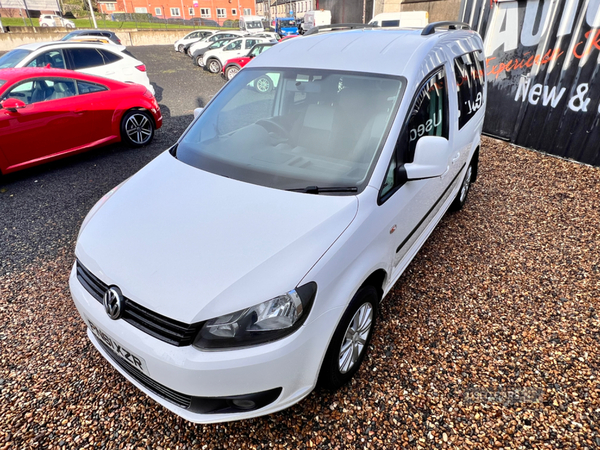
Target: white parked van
(316,18)
(251,24)
(246,264)
(408,19)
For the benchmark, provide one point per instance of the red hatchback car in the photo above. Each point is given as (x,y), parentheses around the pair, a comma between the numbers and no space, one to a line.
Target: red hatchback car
(47,114)
(233,66)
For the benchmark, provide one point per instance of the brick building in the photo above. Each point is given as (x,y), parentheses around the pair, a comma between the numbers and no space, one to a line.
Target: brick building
(216,10)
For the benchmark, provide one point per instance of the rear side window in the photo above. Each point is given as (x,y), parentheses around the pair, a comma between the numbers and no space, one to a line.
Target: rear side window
(470,79)
(82,58)
(109,57)
(390,23)
(85,87)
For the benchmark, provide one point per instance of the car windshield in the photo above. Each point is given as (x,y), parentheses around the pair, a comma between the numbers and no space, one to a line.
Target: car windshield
(12,58)
(253,25)
(295,128)
(71,35)
(2,82)
(287,23)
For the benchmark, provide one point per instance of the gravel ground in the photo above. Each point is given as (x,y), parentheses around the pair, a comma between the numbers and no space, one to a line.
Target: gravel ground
(503,298)
(501,301)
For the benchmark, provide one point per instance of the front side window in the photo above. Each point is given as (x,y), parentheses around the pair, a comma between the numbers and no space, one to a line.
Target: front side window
(53,57)
(250,43)
(221,13)
(295,128)
(470,80)
(205,12)
(235,45)
(175,12)
(41,90)
(429,116)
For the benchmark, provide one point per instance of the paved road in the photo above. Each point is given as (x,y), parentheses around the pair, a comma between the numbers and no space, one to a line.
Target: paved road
(41,209)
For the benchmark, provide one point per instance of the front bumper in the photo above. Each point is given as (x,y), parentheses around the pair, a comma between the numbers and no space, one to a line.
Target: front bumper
(286,370)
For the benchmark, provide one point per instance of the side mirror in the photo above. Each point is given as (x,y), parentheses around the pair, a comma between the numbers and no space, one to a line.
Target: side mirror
(12,104)
(197,112)
(431,158)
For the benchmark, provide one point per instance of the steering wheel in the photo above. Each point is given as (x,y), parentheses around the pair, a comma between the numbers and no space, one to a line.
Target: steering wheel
(274,127)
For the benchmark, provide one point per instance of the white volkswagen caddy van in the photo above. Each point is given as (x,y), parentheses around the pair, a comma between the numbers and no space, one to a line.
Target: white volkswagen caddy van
(245,265)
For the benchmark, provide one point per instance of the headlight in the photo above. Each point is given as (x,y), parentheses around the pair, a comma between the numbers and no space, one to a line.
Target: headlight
(265,322)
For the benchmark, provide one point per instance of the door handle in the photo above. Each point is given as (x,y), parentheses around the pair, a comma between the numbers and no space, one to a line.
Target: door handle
(455,157)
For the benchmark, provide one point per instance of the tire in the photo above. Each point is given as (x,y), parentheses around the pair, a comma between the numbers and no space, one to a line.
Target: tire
(231,71)
(180,48)
(137,128)
(70,26)
(44,24)
(461,197)
(214,66)
(350,341)
(198,61)
(263,84)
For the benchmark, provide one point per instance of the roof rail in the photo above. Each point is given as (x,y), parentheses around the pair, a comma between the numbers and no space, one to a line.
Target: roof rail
(338,26)
(430,29)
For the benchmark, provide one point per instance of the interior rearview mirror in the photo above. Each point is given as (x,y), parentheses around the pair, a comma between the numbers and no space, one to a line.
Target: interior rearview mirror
(431,158)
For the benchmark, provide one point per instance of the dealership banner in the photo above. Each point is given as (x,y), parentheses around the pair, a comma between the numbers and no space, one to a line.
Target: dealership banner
(542,63)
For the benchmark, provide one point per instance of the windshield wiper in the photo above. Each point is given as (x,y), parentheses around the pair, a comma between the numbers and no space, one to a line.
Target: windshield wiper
(318,190)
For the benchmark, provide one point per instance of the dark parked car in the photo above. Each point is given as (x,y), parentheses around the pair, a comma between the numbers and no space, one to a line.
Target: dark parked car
(99,33)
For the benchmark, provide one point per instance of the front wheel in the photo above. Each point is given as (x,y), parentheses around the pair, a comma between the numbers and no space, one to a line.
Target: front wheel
(69,26)
(180,48)
(198,60)
(214,66)
(137,128)
(231,72)
(350,341)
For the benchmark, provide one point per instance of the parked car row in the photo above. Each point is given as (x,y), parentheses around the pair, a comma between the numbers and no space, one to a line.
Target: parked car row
(84,91)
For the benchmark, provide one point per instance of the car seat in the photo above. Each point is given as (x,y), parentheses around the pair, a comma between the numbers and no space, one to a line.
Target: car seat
(61,90)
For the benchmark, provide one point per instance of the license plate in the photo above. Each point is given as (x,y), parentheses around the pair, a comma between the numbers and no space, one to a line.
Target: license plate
(122,352)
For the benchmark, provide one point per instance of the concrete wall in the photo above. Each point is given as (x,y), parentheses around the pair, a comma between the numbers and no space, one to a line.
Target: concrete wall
(8,41)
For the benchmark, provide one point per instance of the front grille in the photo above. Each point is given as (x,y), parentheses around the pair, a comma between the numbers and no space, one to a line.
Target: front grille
(167,330)
(182,400)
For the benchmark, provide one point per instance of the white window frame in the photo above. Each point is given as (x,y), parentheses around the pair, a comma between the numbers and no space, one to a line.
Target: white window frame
(221,13)
(175,12)
(191,11)
(205,13)
(110,6)
(158,11)
(140,10)
(247,11)
(233,12)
